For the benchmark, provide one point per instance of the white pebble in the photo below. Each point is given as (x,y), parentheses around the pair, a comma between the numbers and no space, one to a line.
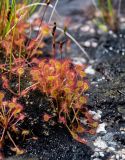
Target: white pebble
(111,149)
(101,154)
(100,143)
(117,156)
(94,44)
(90,70)
(78,60)
(96,115)
(92,30)
(85,28)
(87,44)
(101,128)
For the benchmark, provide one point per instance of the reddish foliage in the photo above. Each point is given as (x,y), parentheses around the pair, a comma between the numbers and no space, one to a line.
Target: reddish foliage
(11,114)
(66,83)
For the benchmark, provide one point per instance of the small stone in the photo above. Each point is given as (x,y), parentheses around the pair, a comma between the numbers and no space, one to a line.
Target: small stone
(97,150)
(90,70)
(101,128)
(123,53)
(94,44)
(101,154)
(85,28)
(111,149)
(110,48)
(96,115)
(87,44)
(117,156)
(100,143)
(92,30)
(78,60)
(121,109)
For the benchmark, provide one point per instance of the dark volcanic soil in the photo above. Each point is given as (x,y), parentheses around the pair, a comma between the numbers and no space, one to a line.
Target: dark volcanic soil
(107,95)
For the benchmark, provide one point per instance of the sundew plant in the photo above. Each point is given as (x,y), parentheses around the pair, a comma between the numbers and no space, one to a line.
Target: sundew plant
(23,69)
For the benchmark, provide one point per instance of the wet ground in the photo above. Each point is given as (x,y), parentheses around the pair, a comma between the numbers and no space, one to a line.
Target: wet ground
(106,73)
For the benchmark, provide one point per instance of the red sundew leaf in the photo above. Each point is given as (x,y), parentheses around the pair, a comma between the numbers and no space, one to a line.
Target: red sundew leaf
(1,96)
(24,92)
(1,153)
(46,117)
(5,82)
(35,74)
(37,22)
(22,27)
(80,83)
(78,68)
(20,71)
(92,131)
(57,66)
(25,132)
(21,117)
(45,29)
(89,117)
(81,140)
(64,107)
(51,78)
(82,74)
(94,124)
(77,138)
(11,105)
(39,52)
(20,61)
(67,90)
(35,61)
(19,42)
(41,64)
(82,100)
(80,129)
(17,150)
(86,86)
(54,93)
(77,106)
(16,111)
(15,129)
(7,46)
(31,45)
(62,120)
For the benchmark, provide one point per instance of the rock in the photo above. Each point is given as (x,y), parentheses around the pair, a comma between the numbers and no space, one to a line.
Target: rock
(100,143)
(90,70)
(101,128)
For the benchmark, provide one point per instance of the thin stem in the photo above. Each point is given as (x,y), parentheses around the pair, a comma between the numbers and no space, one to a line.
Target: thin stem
(75,41)
(19,89)
(21,17)
(54,8)
(2,137)
(35,4)
(119,8)
(12,140)
(95,5)
(28,88)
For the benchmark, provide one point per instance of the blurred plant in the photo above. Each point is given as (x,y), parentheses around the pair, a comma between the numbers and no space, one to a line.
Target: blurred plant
(13,26)
(10,116)
(108,14)
(65,83)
